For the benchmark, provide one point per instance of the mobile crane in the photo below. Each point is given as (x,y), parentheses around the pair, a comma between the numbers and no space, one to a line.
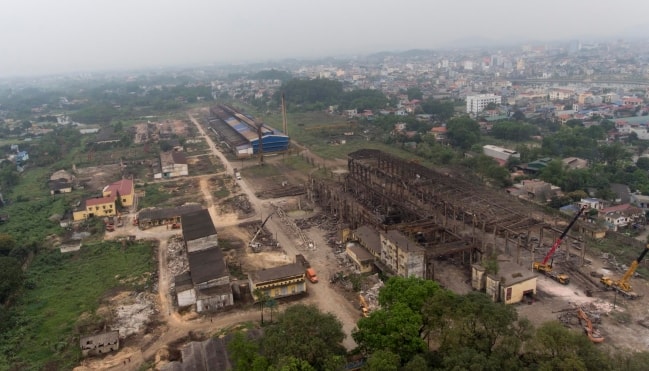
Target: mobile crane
(622,285)
(546,268)
(256,246)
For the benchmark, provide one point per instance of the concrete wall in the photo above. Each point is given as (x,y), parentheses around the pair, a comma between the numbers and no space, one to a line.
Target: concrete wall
(492,287)
(225,280)
(477,277)
(186,298)
(203,243)
(214,302)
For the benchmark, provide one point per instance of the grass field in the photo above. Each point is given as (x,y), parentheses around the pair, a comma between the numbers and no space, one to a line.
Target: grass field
(65,286)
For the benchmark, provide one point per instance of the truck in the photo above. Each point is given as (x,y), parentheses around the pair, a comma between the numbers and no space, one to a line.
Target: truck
(237,174)
(311,275)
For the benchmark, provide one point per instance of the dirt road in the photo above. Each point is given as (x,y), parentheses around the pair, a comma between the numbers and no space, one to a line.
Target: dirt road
(320,294)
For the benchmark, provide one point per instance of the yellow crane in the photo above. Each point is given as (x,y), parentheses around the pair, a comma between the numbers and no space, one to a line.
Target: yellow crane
(622,285)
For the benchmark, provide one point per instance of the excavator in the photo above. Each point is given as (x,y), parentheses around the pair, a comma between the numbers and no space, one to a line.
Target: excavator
(592,333)
(622,285)
(546,268)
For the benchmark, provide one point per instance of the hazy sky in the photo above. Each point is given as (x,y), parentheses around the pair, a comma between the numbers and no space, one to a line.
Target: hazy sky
(48,36)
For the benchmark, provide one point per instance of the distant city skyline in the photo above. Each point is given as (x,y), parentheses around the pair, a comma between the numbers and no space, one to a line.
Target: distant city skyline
(44,37)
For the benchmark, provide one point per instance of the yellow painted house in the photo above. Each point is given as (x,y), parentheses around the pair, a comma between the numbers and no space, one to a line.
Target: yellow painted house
(124,189)
(277,282)
(96,207)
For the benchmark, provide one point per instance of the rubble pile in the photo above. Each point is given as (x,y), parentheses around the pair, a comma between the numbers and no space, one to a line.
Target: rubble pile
(306,242)
(131,318)
(371,295)
(238,203)
(177,256)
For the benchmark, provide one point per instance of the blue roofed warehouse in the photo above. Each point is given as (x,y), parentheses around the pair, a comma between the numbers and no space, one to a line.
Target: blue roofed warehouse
(240,132)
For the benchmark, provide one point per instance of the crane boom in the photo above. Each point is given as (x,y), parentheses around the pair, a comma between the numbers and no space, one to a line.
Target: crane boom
(563,235)
(252,242)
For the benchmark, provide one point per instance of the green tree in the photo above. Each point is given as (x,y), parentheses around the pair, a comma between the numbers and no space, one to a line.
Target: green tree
(463,132)
(514,130)
(442,110)
(261,298)
(382,360)
(555,347)
(643,163)
(305,333)
(414,93)
(518,115)
(7,243)
(412,291)
(291,363)
(11,277)
(245,354)
(417,363)
(554,172)
(396,328)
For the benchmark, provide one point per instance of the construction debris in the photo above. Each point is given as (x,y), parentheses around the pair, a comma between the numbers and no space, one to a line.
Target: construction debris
(306,242)
(239,204)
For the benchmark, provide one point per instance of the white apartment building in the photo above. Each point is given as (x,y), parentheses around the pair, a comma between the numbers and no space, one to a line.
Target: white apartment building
(477,103)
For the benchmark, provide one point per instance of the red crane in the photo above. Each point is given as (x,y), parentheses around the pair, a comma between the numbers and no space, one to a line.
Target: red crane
(547,268)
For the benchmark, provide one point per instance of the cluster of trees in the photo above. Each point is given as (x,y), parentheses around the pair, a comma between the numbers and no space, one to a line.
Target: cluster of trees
(442,110)
(421,326)
(318,94)
(302,339)
(11,274)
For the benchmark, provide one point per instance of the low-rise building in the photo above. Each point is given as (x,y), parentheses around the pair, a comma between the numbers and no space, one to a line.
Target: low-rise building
(510,285)
(123,190)
(209,273)
(198,231)
(99,344)
(211,279)
(362,259)
(185,292)
(95,207)
(278,282)
(60,182)
(574,163)
(403,256)
(368,238)
(172,164)
(59,186)
(151,217)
